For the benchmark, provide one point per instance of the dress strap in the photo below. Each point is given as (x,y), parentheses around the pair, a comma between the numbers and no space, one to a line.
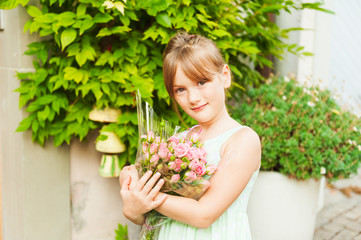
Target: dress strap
(226,135)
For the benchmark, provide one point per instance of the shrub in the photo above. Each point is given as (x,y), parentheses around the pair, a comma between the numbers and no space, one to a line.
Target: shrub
(302,130)
(96,53)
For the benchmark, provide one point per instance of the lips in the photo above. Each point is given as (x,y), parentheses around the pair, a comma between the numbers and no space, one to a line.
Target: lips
(198,108)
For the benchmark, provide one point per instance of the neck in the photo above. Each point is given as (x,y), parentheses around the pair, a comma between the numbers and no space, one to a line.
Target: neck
(218,125)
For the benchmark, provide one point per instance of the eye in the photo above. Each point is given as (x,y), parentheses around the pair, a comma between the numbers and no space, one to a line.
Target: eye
(179,90)
(202,82)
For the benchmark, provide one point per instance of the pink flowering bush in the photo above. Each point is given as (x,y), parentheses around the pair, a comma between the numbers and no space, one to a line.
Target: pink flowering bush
(181,161)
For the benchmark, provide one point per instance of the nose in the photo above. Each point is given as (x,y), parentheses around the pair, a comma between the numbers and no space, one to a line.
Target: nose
(194,96)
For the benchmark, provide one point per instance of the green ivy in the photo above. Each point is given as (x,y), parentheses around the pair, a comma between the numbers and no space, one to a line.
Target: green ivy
(96,53)
(121,233)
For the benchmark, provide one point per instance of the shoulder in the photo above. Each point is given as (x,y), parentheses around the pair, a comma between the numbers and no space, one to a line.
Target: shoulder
(246,134)
(245,142)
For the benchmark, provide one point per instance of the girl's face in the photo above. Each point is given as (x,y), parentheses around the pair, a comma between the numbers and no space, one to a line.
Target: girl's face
(203,100)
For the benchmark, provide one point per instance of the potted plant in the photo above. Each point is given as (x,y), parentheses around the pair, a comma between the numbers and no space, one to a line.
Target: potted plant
(305,137)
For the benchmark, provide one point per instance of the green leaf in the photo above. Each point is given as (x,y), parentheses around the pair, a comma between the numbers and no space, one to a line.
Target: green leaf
(66,19)
(69,73)
(104,32)
(164,20)
(10,4)
(81,10)
(24,124)
(85,25)
(67,37)
(46,18)
(34,11)
(102,18)
(35,126)
(43,115)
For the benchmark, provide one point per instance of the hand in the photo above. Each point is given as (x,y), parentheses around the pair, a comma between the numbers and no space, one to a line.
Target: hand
(142,198)
(129,171)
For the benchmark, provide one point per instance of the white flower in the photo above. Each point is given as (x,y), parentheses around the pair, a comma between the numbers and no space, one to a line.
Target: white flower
(323,170)
(311,104)
(355,129)
(359,147)
(354,143)
(316,99)
(274,109)
(305,90)
(284,98)
(286,79)
(349,141)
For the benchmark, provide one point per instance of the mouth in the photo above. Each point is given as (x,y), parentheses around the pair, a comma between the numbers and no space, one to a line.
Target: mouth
(198,108)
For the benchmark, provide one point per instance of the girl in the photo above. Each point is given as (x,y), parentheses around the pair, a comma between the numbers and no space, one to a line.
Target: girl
(196,78)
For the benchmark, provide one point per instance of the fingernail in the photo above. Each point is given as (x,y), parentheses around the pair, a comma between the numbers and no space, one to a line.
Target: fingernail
(158,174)
(149,172)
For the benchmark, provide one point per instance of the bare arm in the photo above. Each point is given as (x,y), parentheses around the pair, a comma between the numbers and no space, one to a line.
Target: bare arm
(240,158)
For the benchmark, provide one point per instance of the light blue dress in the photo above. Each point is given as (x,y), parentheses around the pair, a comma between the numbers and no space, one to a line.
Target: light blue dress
(233,224)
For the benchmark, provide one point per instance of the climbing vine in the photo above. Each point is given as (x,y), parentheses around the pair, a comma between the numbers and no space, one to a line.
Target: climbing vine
(96,53)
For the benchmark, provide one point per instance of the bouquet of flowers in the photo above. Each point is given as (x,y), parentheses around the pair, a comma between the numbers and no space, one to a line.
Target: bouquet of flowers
(179,157)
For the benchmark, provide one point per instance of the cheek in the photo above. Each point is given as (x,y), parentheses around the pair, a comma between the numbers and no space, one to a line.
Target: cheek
(180,101)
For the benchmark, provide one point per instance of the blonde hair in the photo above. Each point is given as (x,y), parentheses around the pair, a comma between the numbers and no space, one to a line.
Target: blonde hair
(199,58)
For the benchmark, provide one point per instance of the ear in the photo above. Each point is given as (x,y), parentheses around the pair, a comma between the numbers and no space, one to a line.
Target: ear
(226,76)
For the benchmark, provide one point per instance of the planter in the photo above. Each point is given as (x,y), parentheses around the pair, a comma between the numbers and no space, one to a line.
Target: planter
(281,208)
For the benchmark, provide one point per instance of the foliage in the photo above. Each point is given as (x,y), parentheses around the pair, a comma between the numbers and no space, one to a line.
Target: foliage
(10,4)
(121,233)
(302,130)
(97,54)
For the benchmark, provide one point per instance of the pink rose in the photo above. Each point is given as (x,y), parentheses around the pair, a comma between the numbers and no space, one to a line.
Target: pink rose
(210,169)
(146,156)
(190,176)
(145,146)
(181,150)
(153,148)
(154,159)
(184,165)
(163,152)
(178,163)
(150,136)
(194,164)
(172,165)
(192,153)
(194,137)
(157,140)
(189,143)
(201,170)
(175,178)
(163,145)
(173,139)
(168,157)
(202,153)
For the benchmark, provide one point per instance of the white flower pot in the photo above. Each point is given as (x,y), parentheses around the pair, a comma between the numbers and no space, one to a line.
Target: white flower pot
(281,208)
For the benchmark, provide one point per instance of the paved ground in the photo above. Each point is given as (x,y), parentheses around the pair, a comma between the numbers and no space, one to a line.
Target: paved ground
(340,218)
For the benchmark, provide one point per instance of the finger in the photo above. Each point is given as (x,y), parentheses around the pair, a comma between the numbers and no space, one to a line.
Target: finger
(159,202)
(150,184)
(126,183)
(156,189)
(139,186)
(134,181)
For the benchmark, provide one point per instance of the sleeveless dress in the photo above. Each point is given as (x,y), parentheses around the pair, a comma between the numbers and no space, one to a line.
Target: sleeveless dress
(232,224)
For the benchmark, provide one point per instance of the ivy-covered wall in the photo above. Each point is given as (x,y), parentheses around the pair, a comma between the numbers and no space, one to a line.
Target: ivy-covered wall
(98,53)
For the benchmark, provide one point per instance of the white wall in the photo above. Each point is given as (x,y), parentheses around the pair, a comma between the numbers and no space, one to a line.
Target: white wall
(35,179)
(335,42)
(96,202)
